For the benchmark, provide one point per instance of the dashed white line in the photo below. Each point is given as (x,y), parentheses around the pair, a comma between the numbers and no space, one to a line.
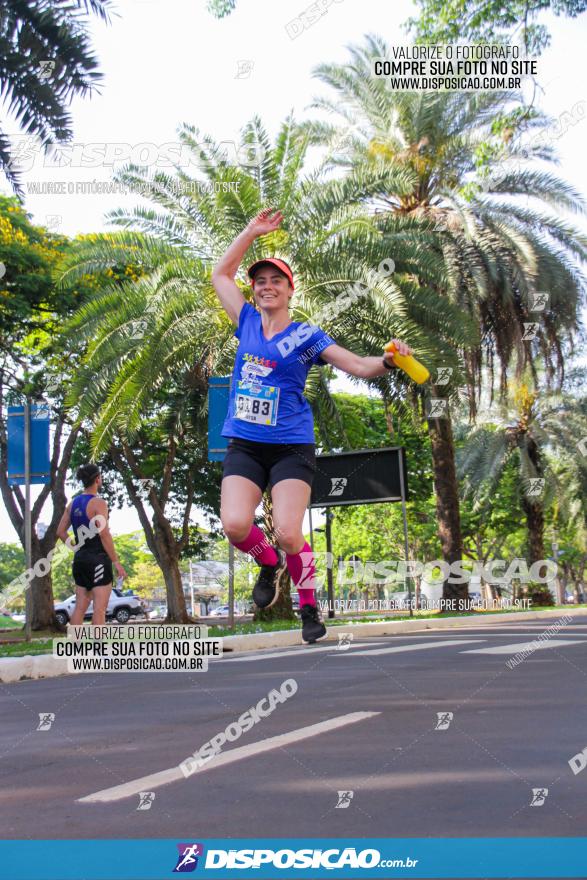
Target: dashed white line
(524,646)
(301,652)
(423,646)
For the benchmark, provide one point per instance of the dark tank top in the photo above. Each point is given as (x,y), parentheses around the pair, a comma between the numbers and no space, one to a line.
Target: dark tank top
(79,517)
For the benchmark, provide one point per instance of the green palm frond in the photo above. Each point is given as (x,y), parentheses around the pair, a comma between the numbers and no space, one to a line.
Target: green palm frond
(549,432)
(498,246)
(541,185)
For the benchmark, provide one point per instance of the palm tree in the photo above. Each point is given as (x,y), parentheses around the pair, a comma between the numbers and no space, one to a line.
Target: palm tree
(531,429)
(171,303)
(46,60)
(497,249)
(159,448)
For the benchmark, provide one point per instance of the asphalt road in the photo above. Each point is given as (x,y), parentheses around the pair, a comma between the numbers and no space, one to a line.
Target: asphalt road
(512,730)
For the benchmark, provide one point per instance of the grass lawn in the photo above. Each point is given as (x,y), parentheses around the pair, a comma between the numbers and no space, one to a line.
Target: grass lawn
(36,646)
(41,641)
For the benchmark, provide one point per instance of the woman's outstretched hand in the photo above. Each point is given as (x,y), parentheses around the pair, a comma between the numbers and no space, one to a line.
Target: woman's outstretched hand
(266,221)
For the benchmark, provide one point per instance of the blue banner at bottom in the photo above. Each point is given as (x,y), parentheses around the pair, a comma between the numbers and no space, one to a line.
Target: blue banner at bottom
(377,857)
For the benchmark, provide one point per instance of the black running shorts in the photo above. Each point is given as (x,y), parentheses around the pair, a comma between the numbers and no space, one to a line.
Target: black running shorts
(91,569)
(268,463)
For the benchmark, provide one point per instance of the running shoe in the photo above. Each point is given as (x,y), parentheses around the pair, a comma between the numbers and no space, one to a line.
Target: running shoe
(312,627)
(266,589)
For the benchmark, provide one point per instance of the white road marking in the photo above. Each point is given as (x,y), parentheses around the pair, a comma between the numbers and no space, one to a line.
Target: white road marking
(524,646)
(421,647)
(448,637)
(523,626)
(486,635)
(163,777)
(301,651)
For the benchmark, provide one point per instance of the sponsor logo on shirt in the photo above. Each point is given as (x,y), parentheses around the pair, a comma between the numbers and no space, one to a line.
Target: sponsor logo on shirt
(264,362)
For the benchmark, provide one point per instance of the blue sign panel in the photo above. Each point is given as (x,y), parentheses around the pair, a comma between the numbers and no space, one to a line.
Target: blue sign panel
(218,393)
(39,449)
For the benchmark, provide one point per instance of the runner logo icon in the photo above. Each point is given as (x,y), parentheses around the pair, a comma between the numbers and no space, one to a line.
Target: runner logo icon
(187,859)
(338,485)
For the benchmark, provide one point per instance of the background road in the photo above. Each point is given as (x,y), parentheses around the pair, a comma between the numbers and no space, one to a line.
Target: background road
(512,731)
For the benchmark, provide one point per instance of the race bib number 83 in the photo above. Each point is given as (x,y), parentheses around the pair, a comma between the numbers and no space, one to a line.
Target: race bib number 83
(256,403)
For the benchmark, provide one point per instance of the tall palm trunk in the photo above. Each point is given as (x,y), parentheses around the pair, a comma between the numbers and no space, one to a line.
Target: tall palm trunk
(534,508)
(534,513)
(447,505)
(282,610)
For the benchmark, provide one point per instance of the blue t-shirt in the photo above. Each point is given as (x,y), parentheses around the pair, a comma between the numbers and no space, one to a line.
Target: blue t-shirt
(268,381)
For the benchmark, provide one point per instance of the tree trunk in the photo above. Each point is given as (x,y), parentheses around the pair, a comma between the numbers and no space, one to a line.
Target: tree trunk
(282,610)
(534,513)
(159,534)
(534,508)
(168,559)
(43,613)
(42,586)
(447,507)
(176,607)
(578,584)
(43,616)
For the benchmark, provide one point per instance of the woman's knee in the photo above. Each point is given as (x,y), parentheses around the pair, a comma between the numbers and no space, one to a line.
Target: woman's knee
(289,538)
(236,527)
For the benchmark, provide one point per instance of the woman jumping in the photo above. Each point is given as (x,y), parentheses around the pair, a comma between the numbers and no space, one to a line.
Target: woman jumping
(269,421)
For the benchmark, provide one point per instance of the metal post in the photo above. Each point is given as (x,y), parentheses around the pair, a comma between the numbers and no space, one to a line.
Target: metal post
(27,517)
(311,530)
(404,515)
(230,585)
(329,518)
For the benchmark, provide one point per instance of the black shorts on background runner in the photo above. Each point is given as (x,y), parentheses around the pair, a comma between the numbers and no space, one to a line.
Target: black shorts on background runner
(91,569)
(268,463)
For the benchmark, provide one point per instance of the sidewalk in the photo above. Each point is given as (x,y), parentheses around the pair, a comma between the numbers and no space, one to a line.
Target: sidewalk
(46,666)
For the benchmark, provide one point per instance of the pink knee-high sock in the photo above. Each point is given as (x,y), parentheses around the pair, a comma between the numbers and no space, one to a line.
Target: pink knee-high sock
(303,572)
(258,546)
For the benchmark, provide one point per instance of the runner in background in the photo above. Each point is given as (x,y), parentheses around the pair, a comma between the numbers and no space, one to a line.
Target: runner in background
(93,560)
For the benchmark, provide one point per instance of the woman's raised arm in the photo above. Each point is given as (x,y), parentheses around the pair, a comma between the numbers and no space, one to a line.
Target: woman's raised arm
(225,270)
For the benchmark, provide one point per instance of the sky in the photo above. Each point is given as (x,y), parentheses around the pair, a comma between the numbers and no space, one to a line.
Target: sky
(169,62)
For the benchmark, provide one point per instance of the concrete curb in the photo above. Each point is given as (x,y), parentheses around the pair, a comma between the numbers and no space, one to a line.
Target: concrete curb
(46,666)
(288,638)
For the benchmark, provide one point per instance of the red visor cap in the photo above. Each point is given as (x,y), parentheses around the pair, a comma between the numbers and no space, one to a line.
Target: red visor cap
(279,264)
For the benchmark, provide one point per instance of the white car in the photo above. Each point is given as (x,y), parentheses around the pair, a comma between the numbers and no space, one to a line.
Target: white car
(220,611)
(159,612)
(120,607)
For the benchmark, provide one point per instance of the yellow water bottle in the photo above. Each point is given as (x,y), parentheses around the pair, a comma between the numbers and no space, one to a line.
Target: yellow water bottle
(409,364)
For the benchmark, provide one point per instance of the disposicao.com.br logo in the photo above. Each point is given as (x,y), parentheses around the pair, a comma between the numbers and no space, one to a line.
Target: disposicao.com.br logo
(329,859)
